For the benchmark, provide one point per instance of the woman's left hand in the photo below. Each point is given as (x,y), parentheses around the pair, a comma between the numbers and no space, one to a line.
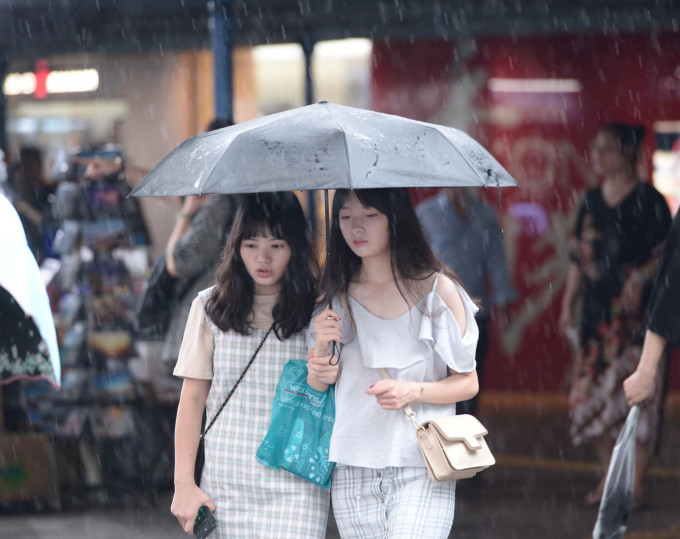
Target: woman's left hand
(321,370)
(394,394)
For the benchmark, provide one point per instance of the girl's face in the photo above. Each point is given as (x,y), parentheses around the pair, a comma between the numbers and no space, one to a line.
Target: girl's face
(365,230)
(265,259)
(607,157)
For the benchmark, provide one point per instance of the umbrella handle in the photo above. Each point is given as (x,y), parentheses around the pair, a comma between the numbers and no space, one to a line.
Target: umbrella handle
(335,353)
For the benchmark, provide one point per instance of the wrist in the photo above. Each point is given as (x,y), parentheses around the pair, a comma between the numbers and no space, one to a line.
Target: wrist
(184,481)
(646,368)
(419,389)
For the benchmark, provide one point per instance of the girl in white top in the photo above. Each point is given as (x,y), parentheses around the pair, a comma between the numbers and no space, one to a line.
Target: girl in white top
(266,280)
(397,307)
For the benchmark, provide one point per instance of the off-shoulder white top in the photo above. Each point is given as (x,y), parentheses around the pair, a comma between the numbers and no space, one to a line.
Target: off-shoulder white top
(420,345)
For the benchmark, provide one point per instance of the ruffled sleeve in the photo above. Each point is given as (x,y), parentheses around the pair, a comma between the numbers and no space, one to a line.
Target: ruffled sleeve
(440,329)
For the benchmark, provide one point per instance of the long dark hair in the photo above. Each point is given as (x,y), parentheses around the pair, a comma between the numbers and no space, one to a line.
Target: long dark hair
(231,302)
(411,258)
(629,138)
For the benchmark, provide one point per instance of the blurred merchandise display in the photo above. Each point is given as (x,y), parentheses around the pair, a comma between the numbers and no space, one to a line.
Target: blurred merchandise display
(104,419)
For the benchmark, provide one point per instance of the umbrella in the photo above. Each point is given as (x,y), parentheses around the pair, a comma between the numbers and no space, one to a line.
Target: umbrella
(28,339)
(617,497)
(324,146)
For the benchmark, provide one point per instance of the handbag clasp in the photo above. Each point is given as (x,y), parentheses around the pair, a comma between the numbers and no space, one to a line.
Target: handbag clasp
(412,416)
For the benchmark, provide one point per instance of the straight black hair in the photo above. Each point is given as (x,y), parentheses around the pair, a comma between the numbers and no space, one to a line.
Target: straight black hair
(231,302)
(629,138)
(411,258)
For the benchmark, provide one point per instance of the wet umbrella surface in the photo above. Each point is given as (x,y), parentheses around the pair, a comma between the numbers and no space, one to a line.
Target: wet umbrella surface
(324,146)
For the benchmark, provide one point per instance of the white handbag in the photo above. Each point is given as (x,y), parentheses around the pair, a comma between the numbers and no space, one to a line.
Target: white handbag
(453,447)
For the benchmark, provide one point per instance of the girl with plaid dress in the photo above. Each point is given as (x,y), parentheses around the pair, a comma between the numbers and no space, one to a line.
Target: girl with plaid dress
(266,280)
(396,307)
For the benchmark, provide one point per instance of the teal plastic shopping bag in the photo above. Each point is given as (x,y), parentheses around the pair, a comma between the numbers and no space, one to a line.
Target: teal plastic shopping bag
(299,436)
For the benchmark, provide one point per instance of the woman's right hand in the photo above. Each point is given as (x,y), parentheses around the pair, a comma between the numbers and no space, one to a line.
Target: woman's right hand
(186,502)
(639,387)
(328,330)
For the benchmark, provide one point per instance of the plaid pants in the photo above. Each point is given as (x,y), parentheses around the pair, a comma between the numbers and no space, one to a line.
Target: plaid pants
(391,503)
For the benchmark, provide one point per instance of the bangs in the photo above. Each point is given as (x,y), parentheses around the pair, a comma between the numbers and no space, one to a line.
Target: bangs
(260,221)
(367,197)
(382,199)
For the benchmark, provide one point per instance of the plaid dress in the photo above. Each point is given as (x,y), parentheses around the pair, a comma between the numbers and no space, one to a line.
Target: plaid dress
(254,501)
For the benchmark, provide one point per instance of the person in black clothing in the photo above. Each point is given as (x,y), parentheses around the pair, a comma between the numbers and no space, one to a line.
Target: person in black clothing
(619,231)
(34,194)
(663,321)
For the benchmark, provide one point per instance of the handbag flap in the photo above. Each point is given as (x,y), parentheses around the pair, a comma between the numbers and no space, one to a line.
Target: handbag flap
(464,427)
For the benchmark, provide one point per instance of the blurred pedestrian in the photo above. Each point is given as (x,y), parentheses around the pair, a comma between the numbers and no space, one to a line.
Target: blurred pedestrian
(616,241)
(464,234)
(193,253)
(663,322)
(34,194)
(266,282)
(396,307)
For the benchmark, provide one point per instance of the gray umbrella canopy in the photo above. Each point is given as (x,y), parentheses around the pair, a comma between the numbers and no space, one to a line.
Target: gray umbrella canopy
(324,146)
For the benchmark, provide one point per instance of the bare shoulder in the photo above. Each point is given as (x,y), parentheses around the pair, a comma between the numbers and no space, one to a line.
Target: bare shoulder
(448,291)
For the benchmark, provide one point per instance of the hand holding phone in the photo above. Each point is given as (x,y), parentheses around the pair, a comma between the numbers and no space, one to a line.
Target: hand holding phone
(205,523)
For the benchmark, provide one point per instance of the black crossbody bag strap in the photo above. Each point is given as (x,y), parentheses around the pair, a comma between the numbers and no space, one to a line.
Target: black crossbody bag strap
(226,400)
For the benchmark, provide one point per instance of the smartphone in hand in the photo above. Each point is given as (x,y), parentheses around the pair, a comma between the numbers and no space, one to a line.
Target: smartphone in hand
(205,523)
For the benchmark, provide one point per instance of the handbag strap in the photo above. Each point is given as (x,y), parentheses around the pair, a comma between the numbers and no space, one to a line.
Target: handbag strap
(406,408)
(226,400)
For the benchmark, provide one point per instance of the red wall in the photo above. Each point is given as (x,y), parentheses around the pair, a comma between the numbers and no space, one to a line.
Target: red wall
(543,140)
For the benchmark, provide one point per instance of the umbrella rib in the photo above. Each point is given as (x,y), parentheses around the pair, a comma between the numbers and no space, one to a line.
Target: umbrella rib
(217,161)
(462,156)
(344,142)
